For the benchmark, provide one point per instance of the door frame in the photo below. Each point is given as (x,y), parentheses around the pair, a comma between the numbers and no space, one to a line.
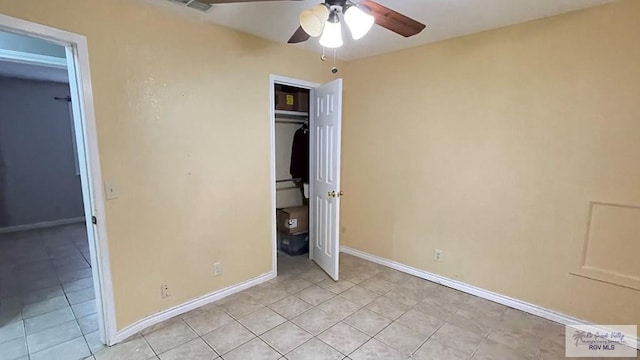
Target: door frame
(283,80)
(90,172)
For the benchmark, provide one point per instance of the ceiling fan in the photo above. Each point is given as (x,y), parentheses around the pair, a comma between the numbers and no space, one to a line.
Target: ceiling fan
(324,20)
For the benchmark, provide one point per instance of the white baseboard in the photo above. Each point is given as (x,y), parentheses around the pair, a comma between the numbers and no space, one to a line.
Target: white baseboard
(40,225)
(188,306)
(485,294)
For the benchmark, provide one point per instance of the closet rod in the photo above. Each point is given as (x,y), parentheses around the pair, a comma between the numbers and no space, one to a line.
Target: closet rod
(287,121)
(285,180)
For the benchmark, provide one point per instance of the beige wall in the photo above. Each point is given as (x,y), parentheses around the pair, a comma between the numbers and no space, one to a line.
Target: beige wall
(182,110)
(491,147)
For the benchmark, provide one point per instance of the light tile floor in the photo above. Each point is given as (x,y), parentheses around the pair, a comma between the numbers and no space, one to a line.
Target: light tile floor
(373,312)
(47,303)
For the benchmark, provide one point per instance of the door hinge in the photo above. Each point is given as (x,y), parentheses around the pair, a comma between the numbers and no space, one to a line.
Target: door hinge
(94,220)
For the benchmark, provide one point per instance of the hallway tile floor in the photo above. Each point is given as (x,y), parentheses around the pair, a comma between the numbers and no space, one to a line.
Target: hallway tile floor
(47,302)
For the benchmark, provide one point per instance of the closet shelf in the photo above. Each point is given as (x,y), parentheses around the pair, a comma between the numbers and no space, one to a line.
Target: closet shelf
(295,114)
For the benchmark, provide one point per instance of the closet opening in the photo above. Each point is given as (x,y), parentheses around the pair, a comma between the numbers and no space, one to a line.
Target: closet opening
(305,171)
(291,110)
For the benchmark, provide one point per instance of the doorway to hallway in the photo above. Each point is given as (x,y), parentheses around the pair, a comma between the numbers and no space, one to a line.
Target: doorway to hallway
(56,269)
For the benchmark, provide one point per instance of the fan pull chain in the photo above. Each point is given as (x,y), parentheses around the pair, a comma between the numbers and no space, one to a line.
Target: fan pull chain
(334,69)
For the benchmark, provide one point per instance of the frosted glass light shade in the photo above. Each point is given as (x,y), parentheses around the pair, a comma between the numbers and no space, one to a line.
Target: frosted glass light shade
(331,35)
(358,21)
(312,20)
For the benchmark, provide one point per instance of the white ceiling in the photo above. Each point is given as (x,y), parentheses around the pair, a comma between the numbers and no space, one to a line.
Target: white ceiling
(445,19)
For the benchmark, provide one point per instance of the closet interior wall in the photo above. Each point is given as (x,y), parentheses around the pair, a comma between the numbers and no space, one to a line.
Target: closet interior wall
(287,193)
(291,114)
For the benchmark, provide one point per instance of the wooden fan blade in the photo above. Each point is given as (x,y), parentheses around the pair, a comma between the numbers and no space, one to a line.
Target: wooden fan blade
(393,20)
(214,2)
(299,36)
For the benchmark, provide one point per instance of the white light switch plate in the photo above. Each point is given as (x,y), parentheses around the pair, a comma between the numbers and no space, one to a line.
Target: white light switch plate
(110,191)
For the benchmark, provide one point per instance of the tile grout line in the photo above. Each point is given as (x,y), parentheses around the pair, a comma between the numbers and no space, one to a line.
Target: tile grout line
(200,336)
(378,295)
(444,321)
(317,337)
(87,342)
(24,325)
(287,320)
(149,345)
(257,336)
(361,308)
(370,337)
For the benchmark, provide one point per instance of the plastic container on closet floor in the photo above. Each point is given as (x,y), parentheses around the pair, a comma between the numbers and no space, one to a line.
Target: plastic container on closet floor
(294,245)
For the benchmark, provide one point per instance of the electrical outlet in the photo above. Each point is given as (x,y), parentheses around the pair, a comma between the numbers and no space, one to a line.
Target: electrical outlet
(437,255)
(217,269)
(164,291)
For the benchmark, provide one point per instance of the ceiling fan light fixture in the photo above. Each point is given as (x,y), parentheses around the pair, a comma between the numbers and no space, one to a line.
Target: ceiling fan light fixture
(332,33)
(312,20)
(358,21)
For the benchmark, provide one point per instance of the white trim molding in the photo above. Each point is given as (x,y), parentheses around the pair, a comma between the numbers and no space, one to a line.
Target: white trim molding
(21,57)
(40,225)
(476,291)
(190,305)
(587,269)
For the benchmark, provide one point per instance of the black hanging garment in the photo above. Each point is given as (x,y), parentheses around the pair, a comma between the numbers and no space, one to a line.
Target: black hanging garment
(300,155)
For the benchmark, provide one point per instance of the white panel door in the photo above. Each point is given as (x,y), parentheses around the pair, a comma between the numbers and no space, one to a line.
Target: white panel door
(324,204)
